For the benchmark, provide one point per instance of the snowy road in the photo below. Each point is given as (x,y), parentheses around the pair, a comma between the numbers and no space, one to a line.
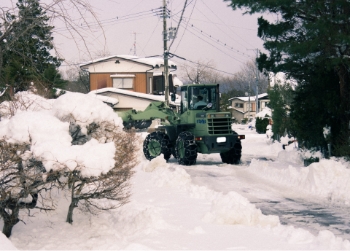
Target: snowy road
(292,207)
(299,212)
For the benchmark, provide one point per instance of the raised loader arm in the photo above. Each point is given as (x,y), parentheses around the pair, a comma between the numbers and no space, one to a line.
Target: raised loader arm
(143,119)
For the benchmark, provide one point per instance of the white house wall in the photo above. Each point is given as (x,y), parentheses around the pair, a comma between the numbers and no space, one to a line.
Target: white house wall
(111,66)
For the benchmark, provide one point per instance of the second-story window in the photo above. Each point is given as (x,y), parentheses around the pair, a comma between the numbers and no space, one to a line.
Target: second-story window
(123,81)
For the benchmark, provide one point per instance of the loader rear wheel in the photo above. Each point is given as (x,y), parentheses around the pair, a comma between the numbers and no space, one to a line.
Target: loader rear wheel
(233,156)
(186,149)
(155,144)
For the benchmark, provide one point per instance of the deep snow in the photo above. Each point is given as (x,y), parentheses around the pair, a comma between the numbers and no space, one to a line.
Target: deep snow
(170,210)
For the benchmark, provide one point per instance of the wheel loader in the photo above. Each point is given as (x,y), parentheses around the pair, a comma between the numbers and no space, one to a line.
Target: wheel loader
(189,130)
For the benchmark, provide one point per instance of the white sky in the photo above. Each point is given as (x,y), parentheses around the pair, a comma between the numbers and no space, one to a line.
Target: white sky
(214,25)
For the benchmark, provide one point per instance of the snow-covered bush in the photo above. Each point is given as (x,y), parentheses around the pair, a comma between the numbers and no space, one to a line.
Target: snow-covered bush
(262,120)
(22,178)
(76,137)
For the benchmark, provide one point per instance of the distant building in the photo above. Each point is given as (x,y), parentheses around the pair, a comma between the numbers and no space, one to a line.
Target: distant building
(143,75)
(244,107)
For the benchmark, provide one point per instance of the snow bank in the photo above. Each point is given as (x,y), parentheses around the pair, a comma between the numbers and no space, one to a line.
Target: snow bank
(293,156)
(24,101)
(6,244)
(324,240)
(327,179)
(231,208)
(234,209)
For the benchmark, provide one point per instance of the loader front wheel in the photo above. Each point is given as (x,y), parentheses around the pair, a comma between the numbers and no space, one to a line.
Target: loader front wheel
(233,156)
(155,144)
(186,149)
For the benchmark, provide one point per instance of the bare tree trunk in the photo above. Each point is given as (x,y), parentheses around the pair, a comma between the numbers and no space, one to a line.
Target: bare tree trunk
(73,204)
(344,82)
(10,220)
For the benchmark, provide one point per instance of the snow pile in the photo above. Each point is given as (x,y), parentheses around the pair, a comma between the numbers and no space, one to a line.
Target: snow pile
(84,110)
(266,112)
(324,240)
(35,128)
(230,208)
(292,156)
(327,179)
(24,101)
(49,136)
(6,244)
(234,209)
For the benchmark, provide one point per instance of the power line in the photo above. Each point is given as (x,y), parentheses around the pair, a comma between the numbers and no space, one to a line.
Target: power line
(218,41)
(212,68)
(178,25)
(223,22)
(111,21)
(186,25)
(151,34)
(215,40)
(215,47)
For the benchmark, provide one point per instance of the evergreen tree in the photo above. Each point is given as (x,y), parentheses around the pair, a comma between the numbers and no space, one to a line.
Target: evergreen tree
(306,35)
(314,107)
(281,96)
(27,56)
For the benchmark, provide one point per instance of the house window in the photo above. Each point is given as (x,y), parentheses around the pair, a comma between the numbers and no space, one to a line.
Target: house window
(158,85)
(239,105)
(123,81)
(249,107)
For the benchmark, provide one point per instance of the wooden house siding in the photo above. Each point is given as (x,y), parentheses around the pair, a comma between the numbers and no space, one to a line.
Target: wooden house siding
(103,80)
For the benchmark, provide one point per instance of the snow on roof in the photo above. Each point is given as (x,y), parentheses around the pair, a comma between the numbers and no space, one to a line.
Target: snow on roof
(152,61)
(106,99)
(252,98)
(136,94)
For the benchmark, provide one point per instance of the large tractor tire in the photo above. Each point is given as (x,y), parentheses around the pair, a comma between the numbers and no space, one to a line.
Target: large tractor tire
(186,149)
(155,144)
(233,156)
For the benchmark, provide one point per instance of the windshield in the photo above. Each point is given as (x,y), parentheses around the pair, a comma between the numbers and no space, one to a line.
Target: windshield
(201,96)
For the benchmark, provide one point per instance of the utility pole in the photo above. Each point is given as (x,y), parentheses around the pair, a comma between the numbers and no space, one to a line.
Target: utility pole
(165,38)
(257,81)
(249,105)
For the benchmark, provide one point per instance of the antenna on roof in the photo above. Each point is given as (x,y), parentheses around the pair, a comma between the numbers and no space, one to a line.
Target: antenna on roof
(134,43)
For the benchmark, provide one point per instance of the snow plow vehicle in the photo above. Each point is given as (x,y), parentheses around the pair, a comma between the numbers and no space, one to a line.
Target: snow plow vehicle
(197,126)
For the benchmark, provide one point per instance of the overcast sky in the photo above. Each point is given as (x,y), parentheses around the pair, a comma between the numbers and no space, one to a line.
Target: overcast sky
(209,31)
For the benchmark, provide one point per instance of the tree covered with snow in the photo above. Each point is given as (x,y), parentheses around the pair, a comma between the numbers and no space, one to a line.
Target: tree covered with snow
(81,148)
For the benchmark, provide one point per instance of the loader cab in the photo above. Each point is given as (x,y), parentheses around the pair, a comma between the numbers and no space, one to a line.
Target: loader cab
(199,97)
